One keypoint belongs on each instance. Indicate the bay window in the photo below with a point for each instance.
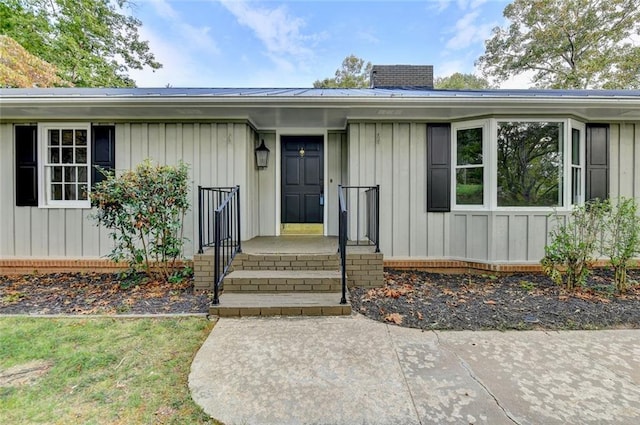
(513, 163)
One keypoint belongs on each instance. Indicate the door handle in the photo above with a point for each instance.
(321, 197)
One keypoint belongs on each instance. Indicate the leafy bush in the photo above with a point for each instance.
(569, 255)
(144, 210)
(622, 240)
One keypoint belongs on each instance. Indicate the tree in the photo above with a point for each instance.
(92, 43)
(461, 81)
(354, 73)
(572, 44)
(19, 68)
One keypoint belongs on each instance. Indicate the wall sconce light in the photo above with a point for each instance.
(262, 156)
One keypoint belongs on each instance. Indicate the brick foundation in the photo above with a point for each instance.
(62, 265)
(460, 266)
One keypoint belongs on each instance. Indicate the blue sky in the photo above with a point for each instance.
(268, 43)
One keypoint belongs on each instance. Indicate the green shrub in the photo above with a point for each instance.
(622, 238)
(144, 210)
(569, 255)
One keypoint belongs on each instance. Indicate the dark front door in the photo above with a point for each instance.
(302, 179)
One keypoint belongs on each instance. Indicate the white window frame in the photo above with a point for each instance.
(44, 177)
(467, 125)
(582, 128)
(490, 162)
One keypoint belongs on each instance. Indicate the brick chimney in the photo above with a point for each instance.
(402, 76)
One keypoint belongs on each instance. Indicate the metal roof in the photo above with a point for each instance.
(314, 93)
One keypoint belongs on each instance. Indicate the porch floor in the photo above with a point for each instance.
(299, 244)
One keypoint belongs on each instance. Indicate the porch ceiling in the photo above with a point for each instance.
(269, 113)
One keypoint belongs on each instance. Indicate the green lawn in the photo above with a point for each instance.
(102, 370)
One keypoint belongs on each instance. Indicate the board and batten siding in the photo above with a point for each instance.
(393, 155)
(218, 154)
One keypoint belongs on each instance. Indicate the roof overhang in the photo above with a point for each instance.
(333, 112)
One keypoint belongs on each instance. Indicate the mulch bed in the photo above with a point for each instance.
(97, 293)
(409, 298)
(518, 301)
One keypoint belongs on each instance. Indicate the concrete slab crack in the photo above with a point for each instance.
(466, 367)
(404, 377)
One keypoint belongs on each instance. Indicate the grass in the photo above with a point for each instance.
(104, 370)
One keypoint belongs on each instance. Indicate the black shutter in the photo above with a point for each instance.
(597, 164)
(103, 151)
(439, 167)
(26, 165)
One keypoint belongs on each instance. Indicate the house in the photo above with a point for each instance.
(465, 177)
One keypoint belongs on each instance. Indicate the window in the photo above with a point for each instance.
(469, 166)
(530, 164)
(513, 163)
(576, 167)
(66, 165)
(54, 162)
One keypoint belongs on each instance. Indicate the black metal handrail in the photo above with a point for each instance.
(342, 242)
(219, 222)
(366, 214)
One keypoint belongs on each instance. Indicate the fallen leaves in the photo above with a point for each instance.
(395, 318)
(95, 293)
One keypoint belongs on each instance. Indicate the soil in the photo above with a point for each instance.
(518, 301)
(97, 293)
(408, 298)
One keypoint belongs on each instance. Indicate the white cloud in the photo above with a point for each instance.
(180, 67)
(520, 81)
(468, 32)
(368, 36)
(279, 31)
(192, 37)
(447, 68)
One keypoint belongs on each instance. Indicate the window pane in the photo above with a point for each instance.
(81, 155)
(82, 174)
(83, 195)
(56, 174)
(576, 185)
(67, 155)
(469, 146)
(54, 155)
(54, 137)
(575, 146)
(469, 186)
(67, 137)
(56, 192)
(69, 174)
(70, 192)
(529, 164)
(81, 137)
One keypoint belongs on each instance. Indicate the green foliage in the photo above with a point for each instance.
(569, 255)
(570, 44)
(92, 43)
(462, 81)
(144, 210)
(529, 163)
(19, 68)
(354, 73)
(622, 241)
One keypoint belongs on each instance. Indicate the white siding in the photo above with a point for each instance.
(334, 146)
(217, 155)
(393, 155)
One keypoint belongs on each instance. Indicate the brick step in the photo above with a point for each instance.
(280, 304)
(283, 281)
(286, 262)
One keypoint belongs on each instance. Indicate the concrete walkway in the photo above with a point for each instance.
(351, 370)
